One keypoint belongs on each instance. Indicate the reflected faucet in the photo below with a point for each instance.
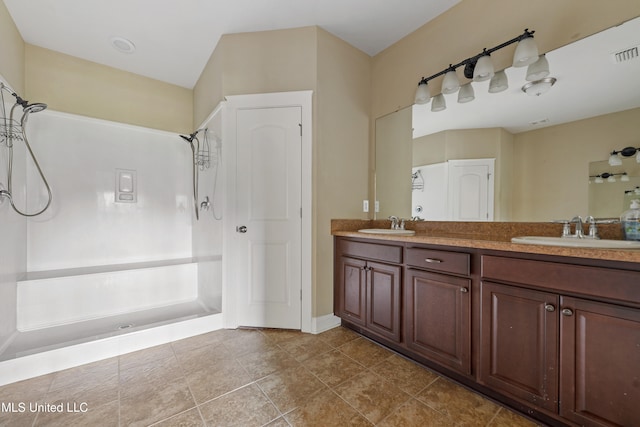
(394, 222)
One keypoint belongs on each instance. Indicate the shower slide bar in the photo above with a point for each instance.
(11, 131)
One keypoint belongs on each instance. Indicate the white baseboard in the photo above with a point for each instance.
(324, 323)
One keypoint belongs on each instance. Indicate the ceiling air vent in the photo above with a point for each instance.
(625, 55)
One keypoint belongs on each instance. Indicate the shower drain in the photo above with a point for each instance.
(125, 326)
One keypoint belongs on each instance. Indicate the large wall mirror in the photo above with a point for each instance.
(544, 148)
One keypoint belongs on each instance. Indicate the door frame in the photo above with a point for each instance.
(234, 103)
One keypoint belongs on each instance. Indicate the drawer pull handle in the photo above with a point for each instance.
(433, 260)
(464, 290)
(550, 308)
(567, 312)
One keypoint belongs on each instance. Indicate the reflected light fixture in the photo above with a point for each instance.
(480, 68)
(466, 94)
(615, 160)
(538, 70)
(439, 103)
(499, 82)
(539, 87)
(610, 177)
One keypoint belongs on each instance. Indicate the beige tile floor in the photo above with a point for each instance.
(252, 377)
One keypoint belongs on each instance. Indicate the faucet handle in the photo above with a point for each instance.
(593, 227)
(566, 227)
(402, 220)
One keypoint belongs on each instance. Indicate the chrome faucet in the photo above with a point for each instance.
(579, 234)
(397, 223)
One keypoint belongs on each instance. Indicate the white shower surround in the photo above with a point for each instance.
(89, 259)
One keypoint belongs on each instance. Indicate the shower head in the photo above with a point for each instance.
(35, 107)
(189, 138)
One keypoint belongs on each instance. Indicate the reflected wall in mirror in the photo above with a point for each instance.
(609, 199)
(542, 146)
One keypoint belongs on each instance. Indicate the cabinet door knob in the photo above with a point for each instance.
(433, 260)
(549, 307)
(464, 290)
(567, 312)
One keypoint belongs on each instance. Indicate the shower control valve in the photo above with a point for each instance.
(241, 229)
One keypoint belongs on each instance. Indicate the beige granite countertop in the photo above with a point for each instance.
(494, 236)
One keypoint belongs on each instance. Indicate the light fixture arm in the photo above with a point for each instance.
(626, 152)
(472, 61)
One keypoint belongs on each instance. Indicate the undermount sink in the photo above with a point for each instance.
(388, 231)
(577, 243)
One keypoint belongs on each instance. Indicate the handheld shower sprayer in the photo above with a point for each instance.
(11, 131)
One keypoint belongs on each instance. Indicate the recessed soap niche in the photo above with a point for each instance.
(126, 186)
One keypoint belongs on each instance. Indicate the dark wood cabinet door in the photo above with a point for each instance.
(383, 299)
(437, 313)
(352, 290)
(519, 343)
(600, 363)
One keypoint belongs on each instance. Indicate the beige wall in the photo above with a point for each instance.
(11, 51)
(553, 164)
(394, 154)
(306, 58)
(73, 85)
(470, 26)
(262, 62)
(340, 150)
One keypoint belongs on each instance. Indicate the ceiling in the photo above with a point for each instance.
(175, 38)
(589, 83)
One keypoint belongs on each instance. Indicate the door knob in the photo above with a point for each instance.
(241, 229)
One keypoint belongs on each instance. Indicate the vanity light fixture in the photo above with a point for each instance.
(610, 177)
(480, 68)
(615, 160)
(423, 95)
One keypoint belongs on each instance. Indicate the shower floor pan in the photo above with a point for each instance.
(52, 338)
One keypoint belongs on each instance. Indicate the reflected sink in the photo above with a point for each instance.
(388, 231)
(577, 243)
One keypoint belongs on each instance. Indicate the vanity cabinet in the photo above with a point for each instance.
(574, 356)
(600, 363)
(519, 343)
(555, 337)
(368, 280)
(437, 307)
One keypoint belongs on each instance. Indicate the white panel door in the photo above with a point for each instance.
(268, 217)
(471, 190)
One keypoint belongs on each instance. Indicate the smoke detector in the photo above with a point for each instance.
(122, 45)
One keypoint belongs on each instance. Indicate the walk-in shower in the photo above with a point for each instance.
(97, 275)
(12, 130)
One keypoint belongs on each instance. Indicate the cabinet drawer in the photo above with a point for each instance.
(608, 283)
(374, 251)
(447, 262)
